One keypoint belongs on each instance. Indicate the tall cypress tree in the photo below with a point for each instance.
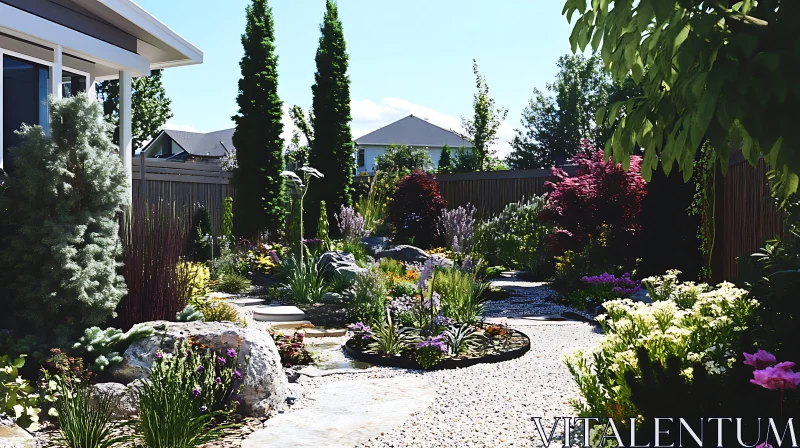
(260, 203)
(332, 151)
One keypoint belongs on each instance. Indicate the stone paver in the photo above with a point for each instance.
(346, 413)
(279, 313)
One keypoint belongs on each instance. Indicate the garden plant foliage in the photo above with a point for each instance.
(60, 264)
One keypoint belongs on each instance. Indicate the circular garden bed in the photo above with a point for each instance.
(511, 347)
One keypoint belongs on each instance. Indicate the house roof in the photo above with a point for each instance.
(204, 145)
(413, 131)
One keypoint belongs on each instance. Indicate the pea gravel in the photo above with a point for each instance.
(490, 405)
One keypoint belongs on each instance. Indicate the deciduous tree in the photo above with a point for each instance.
(723, 70)
(150, 107)
(482, 128)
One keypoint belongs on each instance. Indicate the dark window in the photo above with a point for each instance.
(360, 157)
(72, 84)
(25, 90)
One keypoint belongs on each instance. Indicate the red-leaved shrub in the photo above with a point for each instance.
(415, 210)
(598, 195)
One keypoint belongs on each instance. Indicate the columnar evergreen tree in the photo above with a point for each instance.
(260, 193)
(150, 107)
(226, 227)
(60, 263)
(332, 150)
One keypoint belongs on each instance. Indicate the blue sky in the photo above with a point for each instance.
(410, 56)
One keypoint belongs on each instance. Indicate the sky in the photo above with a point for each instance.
(406, 57)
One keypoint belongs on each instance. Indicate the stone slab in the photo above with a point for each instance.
(294, 325)
(325, 332)
(346, 413)
(15, 437)
(278, 313)
(247, 302)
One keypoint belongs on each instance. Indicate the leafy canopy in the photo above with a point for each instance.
(722, 70)
(555, 122)
(150, 107)
(403, 159)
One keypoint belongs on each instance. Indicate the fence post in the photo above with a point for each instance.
(142, 178)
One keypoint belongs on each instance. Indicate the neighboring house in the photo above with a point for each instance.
(410, 131)
(194, 146)
(61, 47)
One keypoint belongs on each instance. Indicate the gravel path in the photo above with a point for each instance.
(491, 405)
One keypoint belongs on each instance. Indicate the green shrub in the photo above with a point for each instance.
(340, 283)
(85, 417)
(516, 238)
(218, 310)
(391, 266)
(695, 324)
(357, 248)
(460, 339)
(226, 227)
(182, 399)
(389, 339)
(369, 298)
(232, 283)
(60, 264)
(304, 279)
(461, 294)
(198, 244)
(189, 314)
(403, 288)
(18, 399)
(102, 348)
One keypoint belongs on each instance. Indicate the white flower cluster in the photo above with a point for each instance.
(697, 323)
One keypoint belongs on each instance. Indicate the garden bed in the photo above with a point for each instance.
(518, 344)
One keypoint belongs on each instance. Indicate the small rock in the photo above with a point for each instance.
(124, 396)
(332, 297)
(404, 253)
(375, 244)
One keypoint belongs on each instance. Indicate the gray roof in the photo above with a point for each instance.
(206, 145)
(413, 131)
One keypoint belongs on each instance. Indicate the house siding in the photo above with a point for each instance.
(72, 15)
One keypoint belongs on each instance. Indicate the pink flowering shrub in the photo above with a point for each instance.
(598, 193)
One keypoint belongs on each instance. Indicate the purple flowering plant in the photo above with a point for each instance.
(458, 227)
(351, 224)
(431, 351)
(772, 375)
(199, 385)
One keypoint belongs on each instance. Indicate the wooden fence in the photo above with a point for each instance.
(183, 183)
(491, 191)
(746, 216)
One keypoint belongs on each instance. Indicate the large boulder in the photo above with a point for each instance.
(340, 263)
(124, 397)
(265, 384)
(404, 253)
(12, 436)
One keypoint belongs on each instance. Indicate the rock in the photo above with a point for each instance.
(278, 313)
(347, 413)
(126, 402)
(265, 385)
(375, 244)
(340, 263)
(12, 436)
(641, 296)
(350, 272)
(404, 253)
(332, 297)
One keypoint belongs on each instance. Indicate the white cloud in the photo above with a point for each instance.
(171, 125)
(369, 116)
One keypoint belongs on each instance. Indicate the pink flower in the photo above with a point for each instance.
(787, 365)
(759, 359)
(775, 378)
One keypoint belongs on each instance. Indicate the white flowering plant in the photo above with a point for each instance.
(696, 323)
